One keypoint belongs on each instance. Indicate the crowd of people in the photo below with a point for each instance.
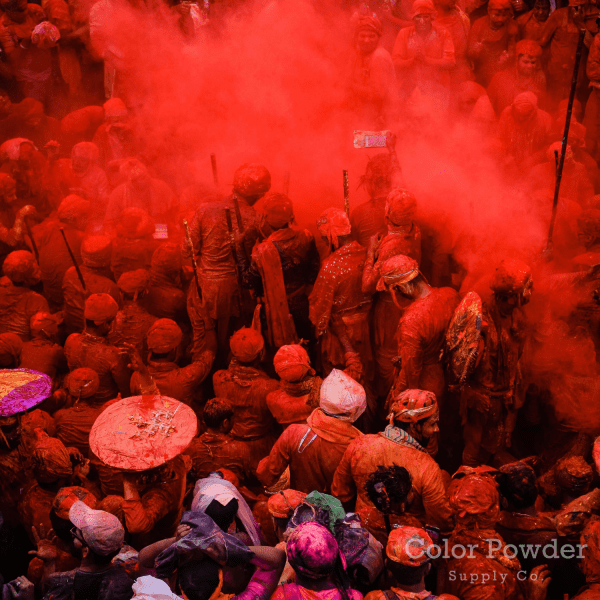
(201, 399)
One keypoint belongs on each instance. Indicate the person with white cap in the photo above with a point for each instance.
(97, 537)
(313, 449)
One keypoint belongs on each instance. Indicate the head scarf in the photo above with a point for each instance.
(397, 270)
(292, 362)
(96, 251)
(73, 207)
(313, 551)
(87, 150)
(246, 344)
(251, 179)
(51, 460)
(475, 501)
(100, 308)
(332, 224)
(10, 349)
(379, 170)
(342, 397)
(278, 209)
(573, 473)
(529, 48)
(422, 7)
(20, 266)
(150, 588)
(163, 336)
(214, 488)
(517, 472)
(400, 207)
(369, 23)
(83, 383)
(470, 91)
(11, 149)
(167, 259)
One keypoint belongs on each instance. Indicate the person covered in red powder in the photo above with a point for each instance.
(492, 41)
(95, 255)
(524, 133)
(282, 270)
(115, 138)
(526, 76)
(140, 190)
(424, 54)
(422, 328)
(221, 296)
(247, 386)
(91, 349)
(73, 216)
(413, 421)
(314, 449)
(215, 449)
(592, 107)
(452, 17)
(476, 505)
(590, 565)
(532, 23)
(19, 303)
(491, 398)
(409, 552)
(403, 237)
(12, 217)
(43, 353)
(339, 309)
(319, 564)
(382, 173)
(372, 93)
(163, 341)
(298, 394)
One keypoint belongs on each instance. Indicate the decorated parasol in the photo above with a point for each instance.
(142, 432)
(22, 389)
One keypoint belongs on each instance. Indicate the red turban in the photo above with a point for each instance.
(43, 322)
(251, 179)
(511, 276)
(246, 344)
(163, 336)
(369, 23)
(133, 282)
(409, 546)
(278, 209)
(45, 32)
(167, 259)
(397, 270)
(412, 406)
(422, 7)
(400, 207)
(83, 383)
(476, 496)
(529, 48)
(72, 207)
(115, 108)
(135, 223)
(67, 496)
(525, 99)
(282, 504)
(500, 5)
(20, 266)
(292, 362)
(51, 460)
(96, 251)
(82, 120)
(334, 223)
(100, 308)
(87, 150)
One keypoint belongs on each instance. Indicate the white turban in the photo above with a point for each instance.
(342, 397)
(150, 588)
